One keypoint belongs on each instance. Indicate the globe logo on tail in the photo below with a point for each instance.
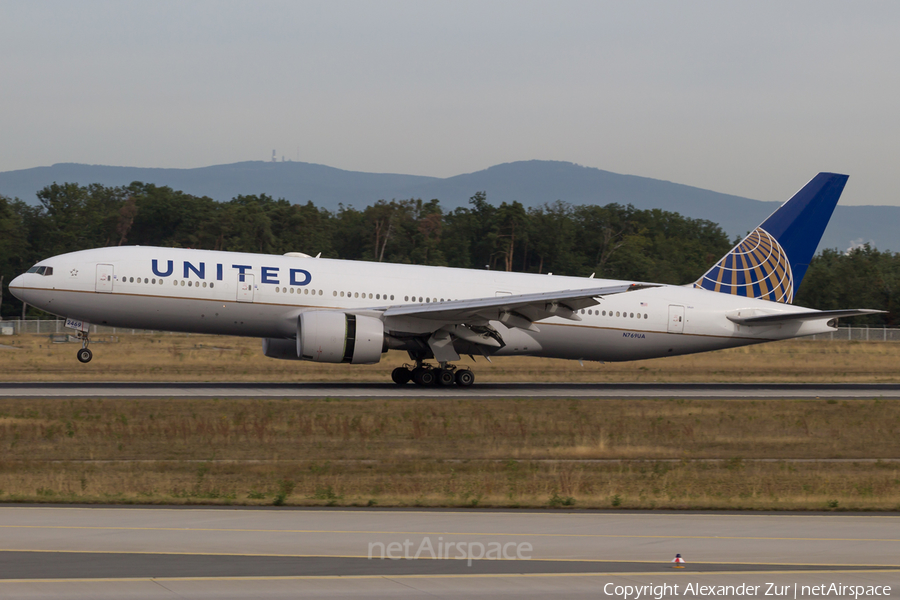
(758, 267)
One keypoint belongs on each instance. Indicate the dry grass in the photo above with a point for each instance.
(583, 453)
(673, 453)
(171, 357)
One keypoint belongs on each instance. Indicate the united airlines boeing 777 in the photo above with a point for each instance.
(334, 311)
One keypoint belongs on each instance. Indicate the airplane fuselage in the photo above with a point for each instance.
(256, 295)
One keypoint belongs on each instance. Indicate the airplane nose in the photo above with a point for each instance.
(17, 286)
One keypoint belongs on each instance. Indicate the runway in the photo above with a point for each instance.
(479, 390)
(61, 552)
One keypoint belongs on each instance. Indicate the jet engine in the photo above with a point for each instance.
(332, 337)
(278, 348)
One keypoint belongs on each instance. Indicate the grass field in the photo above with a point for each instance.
(168, 357)
(582, 453)
(734, 454)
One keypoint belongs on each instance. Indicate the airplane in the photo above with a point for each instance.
(340, 311)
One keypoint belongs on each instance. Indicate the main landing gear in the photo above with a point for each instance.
(424, 374)
(84, 355)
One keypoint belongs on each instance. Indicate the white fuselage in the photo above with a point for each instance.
(201, 291)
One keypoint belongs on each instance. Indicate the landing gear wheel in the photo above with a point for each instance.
(465, 378)
(85, 355)
(422, 376)
(445, 377)
(401, 375)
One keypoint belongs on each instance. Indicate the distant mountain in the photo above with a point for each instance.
(530, 182)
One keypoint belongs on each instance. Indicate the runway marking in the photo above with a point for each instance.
(436, 576)
(466, 533)
(578, 560)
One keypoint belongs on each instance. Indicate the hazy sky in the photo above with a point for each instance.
(748, 98)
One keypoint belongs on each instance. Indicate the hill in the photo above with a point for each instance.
(530, 182)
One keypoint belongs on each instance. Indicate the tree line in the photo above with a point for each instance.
(612, 241)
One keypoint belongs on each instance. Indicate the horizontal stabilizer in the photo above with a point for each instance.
(803, 316)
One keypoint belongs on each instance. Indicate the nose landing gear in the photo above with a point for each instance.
(84, 354)
(425, 374)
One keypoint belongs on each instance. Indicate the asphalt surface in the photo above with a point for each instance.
(479, 390)
(66, 552)
(91, 565)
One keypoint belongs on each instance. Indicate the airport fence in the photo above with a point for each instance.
(57, 326)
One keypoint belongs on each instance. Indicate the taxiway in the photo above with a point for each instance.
(64, 552)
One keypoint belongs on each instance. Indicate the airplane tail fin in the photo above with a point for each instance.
(770, 262)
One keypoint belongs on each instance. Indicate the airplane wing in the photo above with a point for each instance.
(520, 310)
(803, 316)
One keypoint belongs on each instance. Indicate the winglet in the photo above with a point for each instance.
(770, 262)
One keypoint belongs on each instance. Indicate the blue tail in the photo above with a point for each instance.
(770, 262)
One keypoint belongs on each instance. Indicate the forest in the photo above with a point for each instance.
(612, 241)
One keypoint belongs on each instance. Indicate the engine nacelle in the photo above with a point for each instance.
(335, 337)
(278, 348)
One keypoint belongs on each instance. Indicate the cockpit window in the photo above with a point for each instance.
(48, 271)
(33, 269)
(41, 270)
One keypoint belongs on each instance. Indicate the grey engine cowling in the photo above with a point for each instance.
(331, 337)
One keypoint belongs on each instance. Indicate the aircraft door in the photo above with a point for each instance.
(104, 281)
(245, 288)
(676, 319)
